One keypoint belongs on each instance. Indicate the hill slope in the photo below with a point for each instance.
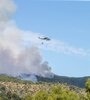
(79, 82)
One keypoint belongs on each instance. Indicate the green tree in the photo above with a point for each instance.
(1, 98)
(28, 97)
(88, 85)
(41, 95)
(88, 88)
(61, 93)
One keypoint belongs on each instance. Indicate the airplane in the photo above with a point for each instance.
(44, 38)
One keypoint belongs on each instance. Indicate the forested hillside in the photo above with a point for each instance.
(79, 82)
(15, 89)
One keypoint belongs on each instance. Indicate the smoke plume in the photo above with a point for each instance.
(15, 56)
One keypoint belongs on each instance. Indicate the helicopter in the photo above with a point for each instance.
(44, 38)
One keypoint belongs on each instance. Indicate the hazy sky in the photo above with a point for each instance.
(66, 22)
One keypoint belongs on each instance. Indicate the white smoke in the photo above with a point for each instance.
(7, 8)
(15, 56)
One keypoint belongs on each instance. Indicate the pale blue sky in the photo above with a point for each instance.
(65, 21)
